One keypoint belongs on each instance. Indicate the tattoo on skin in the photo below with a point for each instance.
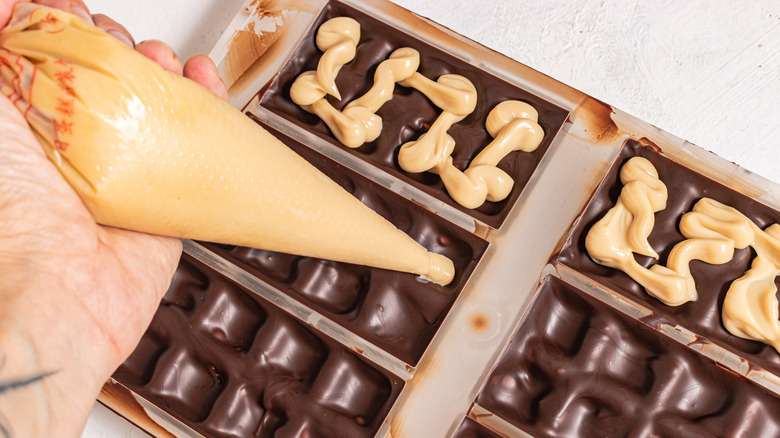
(11, 385)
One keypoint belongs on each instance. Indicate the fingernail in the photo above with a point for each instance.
(81, 12)
(174, 56)
(121, 37)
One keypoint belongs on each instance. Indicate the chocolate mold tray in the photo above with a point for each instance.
(443, 383)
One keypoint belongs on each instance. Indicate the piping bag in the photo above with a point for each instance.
(151, 151)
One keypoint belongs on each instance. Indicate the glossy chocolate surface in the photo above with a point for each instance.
(576, 367)
(395, 311)
(229, 364)
(471, 429)
(685, 188)
(409, 114)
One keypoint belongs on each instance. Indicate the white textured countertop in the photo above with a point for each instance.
(707, 71)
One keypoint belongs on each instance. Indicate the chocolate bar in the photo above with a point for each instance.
(225, 362)
(576, 367)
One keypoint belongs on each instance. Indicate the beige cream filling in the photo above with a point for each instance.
(712, 231)
(513, 124)
(151, 151)
(750, 309)
(358, 123)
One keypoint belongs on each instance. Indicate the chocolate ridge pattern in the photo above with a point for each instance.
(227, 363)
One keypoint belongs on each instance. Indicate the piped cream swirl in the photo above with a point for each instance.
(512, 124)
(750, 308)
(338, 39)
(358, 123)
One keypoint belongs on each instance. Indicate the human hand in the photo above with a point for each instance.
(75, 297)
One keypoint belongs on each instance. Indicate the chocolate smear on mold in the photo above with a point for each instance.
(596, 116)
(248, 45)
(119, 399)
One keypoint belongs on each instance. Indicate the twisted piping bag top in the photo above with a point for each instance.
(151, 151)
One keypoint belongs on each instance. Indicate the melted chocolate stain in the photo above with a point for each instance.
(410, 114)
(578, 368)
(685, 188)
(395, 311)
(227, 363)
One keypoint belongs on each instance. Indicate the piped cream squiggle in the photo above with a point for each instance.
(338, 39)
(624, 230)
(399, 66)
(513, 124)
(358, 123)
(457, 98)
(712, 231)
